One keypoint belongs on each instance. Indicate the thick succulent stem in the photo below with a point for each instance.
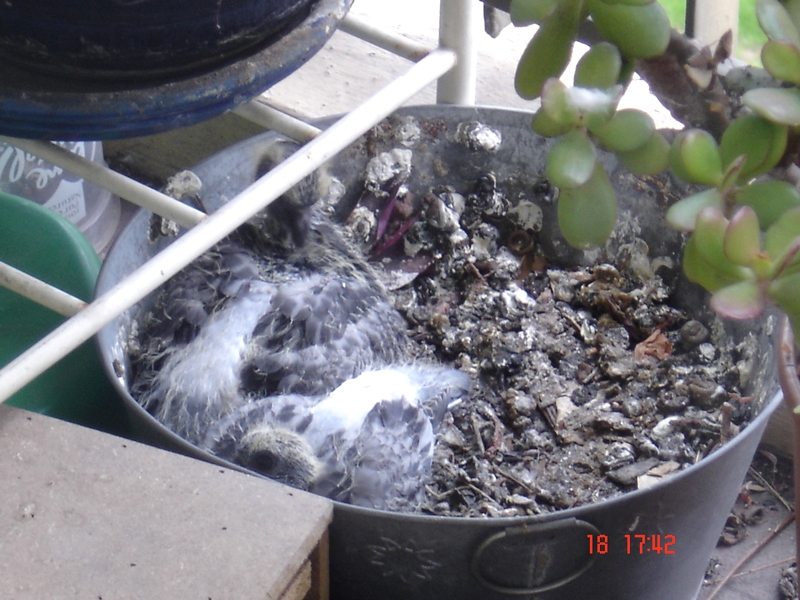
(787, 372)
(706, 108)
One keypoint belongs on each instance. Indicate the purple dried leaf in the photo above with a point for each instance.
(386, 212)
(393, 238)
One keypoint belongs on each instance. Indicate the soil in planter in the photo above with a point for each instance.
(587, 383)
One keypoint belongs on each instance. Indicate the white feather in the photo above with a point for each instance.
(348, 405)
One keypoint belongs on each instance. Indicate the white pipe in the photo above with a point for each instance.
(459, 25)
(382, 38)
(122, 186)
(276, 120)
(40, 292)
(194, 242)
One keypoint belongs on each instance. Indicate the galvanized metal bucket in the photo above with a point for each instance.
(392, 556)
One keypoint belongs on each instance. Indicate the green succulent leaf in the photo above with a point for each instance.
(770, 199)
(702, 272)
(781, 236)
(626, 130)
(545, 125)
(709, 232)
(526, 12)
(695, 157)
(595, 106)
(782, 60)
(650, 159)
(788, 264)
(776, 22)
(779, 105)
(760, 140)
(599, 67)
(557, 105)
(549, 51)
(638, 31)
(586, 215)
(742, 242)
(577, 106)
(793, 8)
(732, 174)
(785, 292)
(709, 236)
(629, 2)
(683, 214)
(740, 301)
(571, 160)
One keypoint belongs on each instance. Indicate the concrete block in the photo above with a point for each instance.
(89, 515)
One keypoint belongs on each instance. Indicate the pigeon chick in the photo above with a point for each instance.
(368, 443)
(279, 350)
(282, 306)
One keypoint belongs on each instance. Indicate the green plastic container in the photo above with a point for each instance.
(47, 246)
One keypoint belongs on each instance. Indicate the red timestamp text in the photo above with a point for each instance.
(636, 543)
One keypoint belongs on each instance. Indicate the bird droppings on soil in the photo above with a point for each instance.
(586, 382)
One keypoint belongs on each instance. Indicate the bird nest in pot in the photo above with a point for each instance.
(329, 340)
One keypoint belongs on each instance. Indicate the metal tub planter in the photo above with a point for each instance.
(650, 543)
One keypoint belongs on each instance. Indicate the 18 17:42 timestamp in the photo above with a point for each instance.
(637, 543)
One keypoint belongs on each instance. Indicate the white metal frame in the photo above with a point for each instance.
(454, 59)
(708, 20)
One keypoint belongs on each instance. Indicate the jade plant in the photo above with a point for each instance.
(741, 140)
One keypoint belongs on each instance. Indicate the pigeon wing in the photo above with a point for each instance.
(438, 388)
(290, 411)
(388, 462)
(182, 307)
(322, 330)
(198, 383)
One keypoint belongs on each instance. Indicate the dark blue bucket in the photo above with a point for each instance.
(139, 38)
(182, 75)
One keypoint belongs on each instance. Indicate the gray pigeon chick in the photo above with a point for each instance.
(261, 351)
(369, 442)
(283, 306)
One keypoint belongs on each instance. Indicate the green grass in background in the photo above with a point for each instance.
(751, 38)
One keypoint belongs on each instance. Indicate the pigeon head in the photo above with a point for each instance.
(279, 454)
(289, 218)
(298, 229)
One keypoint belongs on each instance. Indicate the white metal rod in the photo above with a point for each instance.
(40, 292)
(193, 243)
(271, 118)
(712, 18)
(122, 186)
(388, 40)
(459, 24)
